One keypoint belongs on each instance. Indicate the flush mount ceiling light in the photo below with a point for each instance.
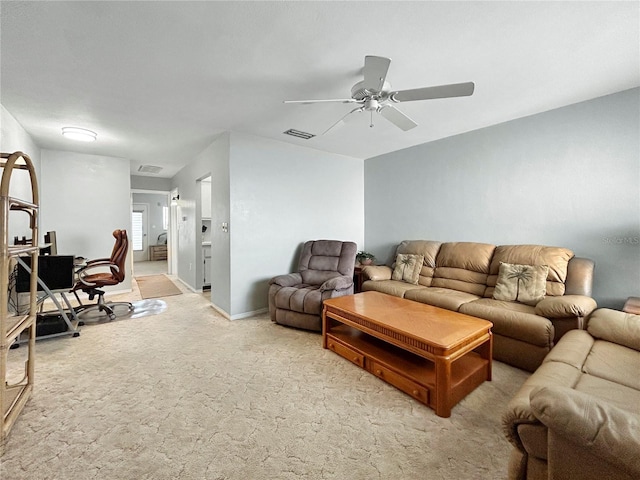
(79, 134)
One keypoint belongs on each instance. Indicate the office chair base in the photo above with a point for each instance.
(107, 308)
(101, 305)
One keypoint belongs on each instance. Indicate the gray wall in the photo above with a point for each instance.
(281, 196)
(568, 177)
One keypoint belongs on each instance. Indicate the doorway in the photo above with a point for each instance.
(150, 228)
(139, 229)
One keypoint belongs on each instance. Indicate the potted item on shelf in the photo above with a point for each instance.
(365, 258)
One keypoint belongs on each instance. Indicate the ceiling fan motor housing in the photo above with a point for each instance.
(359, 92)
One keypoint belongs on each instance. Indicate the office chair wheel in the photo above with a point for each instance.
(112, 316)
(76, 334)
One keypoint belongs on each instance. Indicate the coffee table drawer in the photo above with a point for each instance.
(344, 351)
(401, 382)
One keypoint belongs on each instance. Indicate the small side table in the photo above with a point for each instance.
(632, 305)
(358, 277)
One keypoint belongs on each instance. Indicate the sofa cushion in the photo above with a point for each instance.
(429, 250)
(556, 258)
(390, 287)
(521, 283)
(441, 297)
(408, 267)
(615, 363)
(512, 319)
(615, 326)
(617, 394)
(463, 266)
(572, 350)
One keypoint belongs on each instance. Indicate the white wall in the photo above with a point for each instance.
(84, 199)
(281, 196)
(214, 161)
(14, 138)
(568, 177)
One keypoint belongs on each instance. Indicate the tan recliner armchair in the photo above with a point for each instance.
(325, 270)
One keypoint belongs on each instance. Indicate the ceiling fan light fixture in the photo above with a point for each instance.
(79, 134)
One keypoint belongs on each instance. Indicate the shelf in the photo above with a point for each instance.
(14, 326)
(14, 397)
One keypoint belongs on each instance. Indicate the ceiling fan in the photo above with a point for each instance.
(374, 94)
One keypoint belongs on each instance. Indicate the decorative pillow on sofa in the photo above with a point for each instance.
(521, 283)
(408, 267)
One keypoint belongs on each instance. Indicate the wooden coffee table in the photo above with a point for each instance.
(435, 355)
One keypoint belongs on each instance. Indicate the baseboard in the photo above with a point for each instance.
(220, 311)
(239, 316)
(186, 285)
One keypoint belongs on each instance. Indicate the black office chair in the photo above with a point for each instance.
(90, 283)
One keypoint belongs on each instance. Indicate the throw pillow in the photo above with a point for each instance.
(408, 267)
(521, 283)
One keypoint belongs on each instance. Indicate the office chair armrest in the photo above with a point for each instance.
(98, 263)
(96, 260)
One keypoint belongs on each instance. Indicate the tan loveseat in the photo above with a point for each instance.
(578, 415)
(461, 276)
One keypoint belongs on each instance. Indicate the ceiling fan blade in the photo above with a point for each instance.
(375, 72)
(398, 118)
(332, 100)
(440, 91)
(341, 121)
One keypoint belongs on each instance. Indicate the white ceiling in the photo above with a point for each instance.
(158, 80)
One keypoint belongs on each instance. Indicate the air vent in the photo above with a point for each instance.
(299, 134)
(149, 169)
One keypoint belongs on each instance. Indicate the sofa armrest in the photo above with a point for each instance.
(288, 280)
(337, 283)
(377, 272)
(616, 327)
(566, 306)
(594, 426)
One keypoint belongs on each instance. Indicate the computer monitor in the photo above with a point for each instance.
(56, 271)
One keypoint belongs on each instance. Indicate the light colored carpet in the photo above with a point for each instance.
(156, 286)
(187, 394)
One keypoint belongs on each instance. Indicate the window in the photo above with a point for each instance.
(136, 228)
(165, 218)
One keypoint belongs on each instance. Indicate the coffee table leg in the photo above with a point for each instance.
(443, 387)
(486, 351)
(324, 327)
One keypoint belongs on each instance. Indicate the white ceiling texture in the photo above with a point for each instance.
(158, 80)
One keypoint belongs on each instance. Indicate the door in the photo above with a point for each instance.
(139, 229)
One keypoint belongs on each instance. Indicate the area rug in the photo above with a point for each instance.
(155, 286)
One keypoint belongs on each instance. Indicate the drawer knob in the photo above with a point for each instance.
(356, 359)
(332, 346)
(379, 372)
(416, 393)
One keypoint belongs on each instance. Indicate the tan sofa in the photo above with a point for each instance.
(578, 415)
(461, 276)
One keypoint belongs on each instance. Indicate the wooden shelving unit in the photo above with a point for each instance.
(14, 396)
